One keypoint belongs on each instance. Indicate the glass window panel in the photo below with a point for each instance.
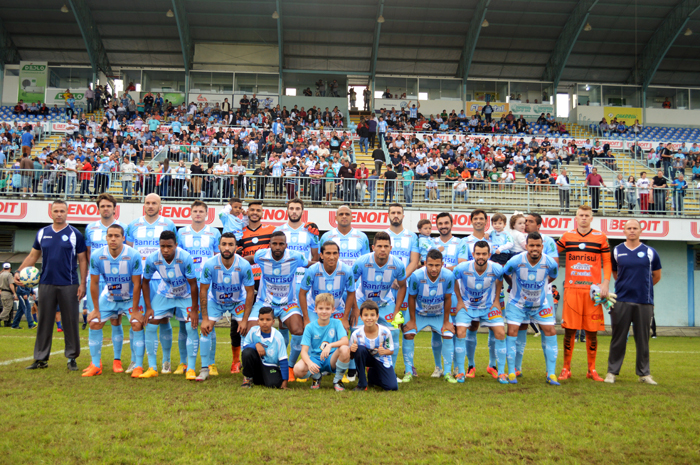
(589, 94)
(268, 83)
(131, 76)
(200, 82)
(682, 102)
(450, 88)
(70, 77)
(431, 87)
(163, 81)
(695, 99)
(397, 86)
(656, 96)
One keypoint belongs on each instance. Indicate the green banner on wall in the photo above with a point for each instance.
(32, 81)
(176, 98)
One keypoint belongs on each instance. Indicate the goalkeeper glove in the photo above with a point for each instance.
(312, 228)
(398, 320)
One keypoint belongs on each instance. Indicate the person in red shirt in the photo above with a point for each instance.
(361, 174)
(594, 181)
(85, 171)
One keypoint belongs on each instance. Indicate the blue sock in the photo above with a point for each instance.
(396, 337)
(117, 341)
(314, 376)
(520, 348)
(460, 353)
(182, 342)
(84, 318)
(500, 345)
(294, 350)
(510, 353)
(58, 324)
(436, 342)
(340, 369)
(550, 353)
(152, 345)
(408, 346)
(138, 346)
(95, 342)
(166, 340)
(192, 343)
(285, 335)
(492, 350)
(471, 346)
(448, 352)
(205, 343)
(212, 353)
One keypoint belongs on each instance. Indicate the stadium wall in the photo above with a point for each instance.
(654, 116)
(320, 102)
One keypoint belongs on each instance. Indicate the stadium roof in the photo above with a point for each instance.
(633, 42)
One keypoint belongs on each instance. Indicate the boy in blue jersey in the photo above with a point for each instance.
(480, 283)
(430, 293)
(529, 274)
(226, 285)
(324, 346)
(425, 242)
(233, 217)
(264, 354)
(372, 347)
(201, 242)
(115, 272)
(176, 294)
(500, 240)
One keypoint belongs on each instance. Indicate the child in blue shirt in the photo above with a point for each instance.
(264, 354)
(425, 242)
(501, 241)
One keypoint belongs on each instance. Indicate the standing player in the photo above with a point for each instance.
(115, 272)
(256, 236)
(95, 238)
(480, 283)
(176, 294)
(453, 248)
(430, 293)
(142, 234)
(201, 242)
(226, 285)
(233, 217)
(478, 219)
(375, 273)
(587, 263)
(528, 274)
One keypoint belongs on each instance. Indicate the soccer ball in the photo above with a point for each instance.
(29, 276)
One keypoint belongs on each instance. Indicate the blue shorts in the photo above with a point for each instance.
(539, 315)
(435, 323)
(215, 311)
(167, 308)
(490, 317)
(282, 312)
(113, 313)
(324, 366)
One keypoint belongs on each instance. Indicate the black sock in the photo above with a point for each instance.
(84, 318)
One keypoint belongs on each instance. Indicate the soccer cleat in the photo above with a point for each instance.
(407, 377)
(316, 383)
(92, 371)
(203, 374)
(518, 373)
(594, 376)
(150, 373)
(565, 374)
(492, 371)
(358, 388)
(167, 368)
(512, 378)
(460, 377)
(449, 378)
(552, 380)
(131, 367)
(247, 383)
(345, 378)
(59, 330)
(190, 375)
(503, 379)
(181, 369)
(537, 335)
(398, 380)
(236, 367)
(38, 364)
(610, 378)
(437, 372)
(90, 366)
(73, 366)
(471, 372)
(291, 376)
(84, 326)
(136, 372)
(117, 366)
(213, 371)
(339, 386)
(647, 380)
(352, 375)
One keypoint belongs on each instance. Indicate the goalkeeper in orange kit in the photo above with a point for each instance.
(587, 263)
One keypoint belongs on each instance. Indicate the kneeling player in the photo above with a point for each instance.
(430, 293)
(226, 285)
(528, 274)
(480, 283)
(264, 354)
(118, 267)
(324, 346)
(177, 295)
(371, 347)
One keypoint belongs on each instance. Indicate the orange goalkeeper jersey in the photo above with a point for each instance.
(587, 258)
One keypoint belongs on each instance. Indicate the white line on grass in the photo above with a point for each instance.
(26, 359)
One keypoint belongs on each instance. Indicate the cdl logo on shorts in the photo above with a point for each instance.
(181, 215)
(278, 216)
(13, 210)
(84, 212)
(367, 220)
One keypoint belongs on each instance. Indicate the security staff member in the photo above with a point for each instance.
(7, 294)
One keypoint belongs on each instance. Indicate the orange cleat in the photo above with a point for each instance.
(565, 374)
(291, 375)
(150, 373)
(236, 367)
(592, 375)
(117, 366)
(138, 371)
(90, 366)
(471, 373)
(493, 372)
(92, 371)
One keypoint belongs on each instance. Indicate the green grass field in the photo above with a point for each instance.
(53, 416)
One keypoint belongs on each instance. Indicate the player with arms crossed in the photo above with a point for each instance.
(175, 295)
(226, 284)
(528, 274)
(115, 279)
(480, 283)
(201, 242)
(587, 263)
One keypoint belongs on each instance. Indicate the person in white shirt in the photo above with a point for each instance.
(564, 191)
(431, 189)
(127, 170)
(71, 166)
(459, 189)
(643, 184)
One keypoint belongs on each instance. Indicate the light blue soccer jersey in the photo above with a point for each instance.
(430, 296)
(96, 234)
(425, 243)
(383, 339)
(337, 284)
(501, 239)
(227, 285)
(200, 245)
(299, 240)
(374, 282)
(278, 278)
(231, 223)
(403, 244)
(352, 246)
(478, 290)
(316, 336)
(529, 289)
(115, 273)
(173, 276)
(453, 250)
(275, 348)
(145, 237)
(549, 247)
(468, 247)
